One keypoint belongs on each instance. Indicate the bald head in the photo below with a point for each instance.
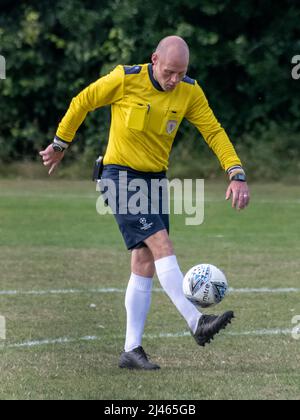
(173, 45)
(170, 62)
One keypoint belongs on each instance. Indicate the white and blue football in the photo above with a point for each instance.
(205, 285)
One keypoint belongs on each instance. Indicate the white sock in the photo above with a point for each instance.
(171, 279)
(137, 304)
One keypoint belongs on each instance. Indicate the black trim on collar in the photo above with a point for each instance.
(154, 82)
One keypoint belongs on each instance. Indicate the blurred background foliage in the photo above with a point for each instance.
(241, 52)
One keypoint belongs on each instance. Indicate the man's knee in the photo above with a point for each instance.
(160, 244)
(142, 262)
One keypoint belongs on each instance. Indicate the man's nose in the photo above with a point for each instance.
(175, 78)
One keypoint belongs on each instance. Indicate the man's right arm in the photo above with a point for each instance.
(104, 91)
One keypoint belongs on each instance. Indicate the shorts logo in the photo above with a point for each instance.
(145, 225)
(171, 125)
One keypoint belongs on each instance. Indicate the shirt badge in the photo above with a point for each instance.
(171, 125)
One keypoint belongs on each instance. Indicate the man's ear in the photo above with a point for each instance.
(154, 58)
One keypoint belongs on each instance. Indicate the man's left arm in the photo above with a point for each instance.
(201, 116)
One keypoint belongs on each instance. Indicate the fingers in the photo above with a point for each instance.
(235, 196)
(228, 193)
(45, 155)
(243, 201)
(53, 164)
(235, 199)
(50, 158)
(240, 194)
(47, 160)
(47, 152)
(53, 168)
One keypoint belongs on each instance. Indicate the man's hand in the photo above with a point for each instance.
(51, 158)
(240, 194)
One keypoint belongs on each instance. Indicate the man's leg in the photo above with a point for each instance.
(138, 296)
(137, 303)
(203, 327)
(171, 277)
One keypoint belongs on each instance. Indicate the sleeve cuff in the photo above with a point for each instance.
(64, 144)
(235, 170)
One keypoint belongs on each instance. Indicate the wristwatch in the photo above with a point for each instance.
(238, 177)
(57, 147)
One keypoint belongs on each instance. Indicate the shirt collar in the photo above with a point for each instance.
(154, 82)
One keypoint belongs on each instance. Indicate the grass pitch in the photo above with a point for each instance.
(65, 329)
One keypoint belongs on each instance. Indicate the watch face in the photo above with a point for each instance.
(57, 148)
(239, 177)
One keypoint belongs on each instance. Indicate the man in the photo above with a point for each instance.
(148, 104)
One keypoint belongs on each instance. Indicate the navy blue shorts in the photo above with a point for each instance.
(139, 201)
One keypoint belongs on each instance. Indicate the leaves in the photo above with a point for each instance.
(240, 53)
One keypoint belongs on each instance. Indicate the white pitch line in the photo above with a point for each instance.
(91, 338)
(265, 290)
(58, 291)
(116, 290)
(95, 196)
(48, 341)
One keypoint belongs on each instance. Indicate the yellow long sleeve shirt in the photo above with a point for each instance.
(145, 119)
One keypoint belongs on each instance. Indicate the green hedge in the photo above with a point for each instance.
(241, 54)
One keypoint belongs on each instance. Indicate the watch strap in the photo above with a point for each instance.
(60, 142)
(238, 177)
(236, 173)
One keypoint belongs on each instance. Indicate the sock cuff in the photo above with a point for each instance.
(166, 264)
(144, 284)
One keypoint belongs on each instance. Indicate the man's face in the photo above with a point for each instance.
(169, 70)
